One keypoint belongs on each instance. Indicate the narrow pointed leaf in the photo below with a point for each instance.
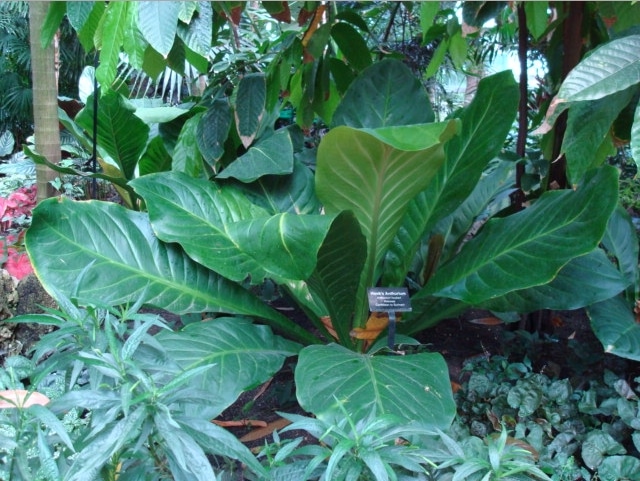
(219, 228)
(410, 387)
(241, 355)
(127, 262)
(385, 94)
(271, 156)
(583, 281)
(336, 277)
(485, 124)
(529, 248)
(250, 107)
(158, 22)
(213, 130)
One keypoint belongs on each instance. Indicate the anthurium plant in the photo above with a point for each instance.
(392, 190)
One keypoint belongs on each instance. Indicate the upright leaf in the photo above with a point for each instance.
(352, 45)
(122, 136)
(158, 22)
(375, 174)
(485, 124)
(385, 94)
(213, 130)
(110, 39)
(250, 106)
(529, 248)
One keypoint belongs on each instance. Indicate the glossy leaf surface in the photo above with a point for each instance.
(219, 228)
(101, 251)
(250, 106)
(507, 253)
(399, 385)
(614, 324)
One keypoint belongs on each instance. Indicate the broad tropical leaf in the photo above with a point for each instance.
(529, 248)
(270, 156)
(109, 37)
(158, 22)
(213, 130)
(410, 387)
(352, 45)
(219, 228)
(583, 281)
(98, 251)
(385, 94)
(375, 174)
(485, 124)
(614, 324)
(241, 354)
(613, 67)
(122, 136)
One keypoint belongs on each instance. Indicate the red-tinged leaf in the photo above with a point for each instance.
(278, 10)
(18, 264)
(306, 12)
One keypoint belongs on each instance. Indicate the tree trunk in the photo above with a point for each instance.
(45, 100)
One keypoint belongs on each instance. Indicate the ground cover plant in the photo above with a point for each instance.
(221, 203)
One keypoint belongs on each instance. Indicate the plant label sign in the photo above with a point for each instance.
(389, 299)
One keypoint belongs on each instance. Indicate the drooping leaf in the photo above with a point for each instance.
(87, 25)
(375, 174)
(242, 355)
(352, 45)
(583, 281)
(428, 11)
(478, 13)
(385, 94)
(278, 10)
(271, 156)
(122, 136)
(410, 387)
(101, 251)
(621, 241)
(186, 155)
(635, 137)
(250, 107)
(614, 324)
(219, 228)
(485, 124)
(155, 158)
(213, 130)
(582, 139)
(55, 14)
(158, 22)
(506, 254)
(110, 38)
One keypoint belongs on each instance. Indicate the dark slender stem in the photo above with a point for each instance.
(521, 143)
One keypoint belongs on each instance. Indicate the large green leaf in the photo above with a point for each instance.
(186, 155)
(122, 136)
(414, 387)
(385, 94)
(219, 228)
(109, 37)
(352, 45)
(582, 281)
(621, 241)
(250, 106)
(375, 174)
(529, 248)
(583, 139)
(615, 325)
(635, 136)
(613, 67)
(485, 124)
(158, 22)
(241, 354)
(270, 156)
(98, 251)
